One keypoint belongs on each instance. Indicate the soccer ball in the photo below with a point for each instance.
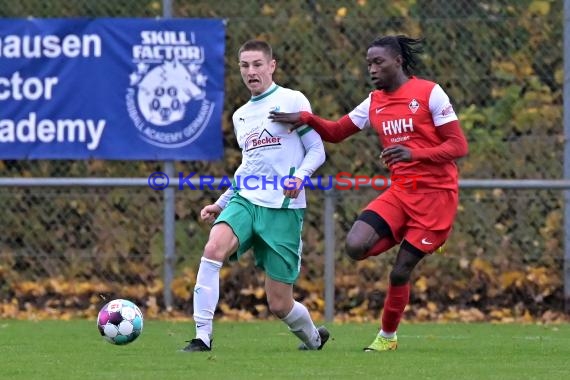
(120, 322)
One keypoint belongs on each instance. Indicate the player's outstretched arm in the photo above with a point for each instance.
(330, 131)
(293, 118)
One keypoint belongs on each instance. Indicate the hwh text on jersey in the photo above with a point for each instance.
(392, 127)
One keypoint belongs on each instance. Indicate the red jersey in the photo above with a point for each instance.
(409, 116)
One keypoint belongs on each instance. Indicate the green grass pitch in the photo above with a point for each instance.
(266, 350)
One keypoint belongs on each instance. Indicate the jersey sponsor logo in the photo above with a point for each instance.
(166, 98)
(400, 139)
(398, 126)
(414, 105)
(261, 140)
(447, 110)
(380, 109)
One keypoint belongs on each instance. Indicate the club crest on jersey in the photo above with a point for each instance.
(166, 99)
(414, 105)
(261, 140)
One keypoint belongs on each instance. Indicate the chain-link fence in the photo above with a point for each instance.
(499, 60)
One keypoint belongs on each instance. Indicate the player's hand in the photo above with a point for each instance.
(209, 213)
(395, 154)
(293, 118)
(292, 187)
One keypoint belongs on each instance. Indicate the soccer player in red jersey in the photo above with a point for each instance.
(422, 137)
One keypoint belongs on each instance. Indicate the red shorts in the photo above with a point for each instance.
(424, 220)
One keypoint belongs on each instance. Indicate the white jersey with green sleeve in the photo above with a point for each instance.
(270, 152)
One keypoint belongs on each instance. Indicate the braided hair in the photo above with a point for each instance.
(401, 45)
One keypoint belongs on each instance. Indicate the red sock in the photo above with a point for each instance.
(394, 305)
(381, 246)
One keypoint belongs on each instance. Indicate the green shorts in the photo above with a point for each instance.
(273, 233)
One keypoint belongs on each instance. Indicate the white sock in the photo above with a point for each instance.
(206, 296)
(300, 323)
(386, 335)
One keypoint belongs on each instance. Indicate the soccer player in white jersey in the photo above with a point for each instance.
(264, 209)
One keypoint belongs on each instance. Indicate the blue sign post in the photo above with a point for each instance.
(117, 89)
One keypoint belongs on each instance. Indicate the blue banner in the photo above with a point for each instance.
(109, 88)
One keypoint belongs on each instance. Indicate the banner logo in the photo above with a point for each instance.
(111, 88)
(166, 99)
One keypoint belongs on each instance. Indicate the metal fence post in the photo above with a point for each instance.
(329, 232)
(167, 8)
(169, 211)
(169, 235)
(566, 121)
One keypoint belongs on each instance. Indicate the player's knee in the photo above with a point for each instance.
(399, 276)
(278, 307)
(354, 247)
(214, 251)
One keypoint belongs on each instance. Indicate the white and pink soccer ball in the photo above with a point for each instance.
(120, 322)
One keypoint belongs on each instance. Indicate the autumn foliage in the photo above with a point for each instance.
(65, 251)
